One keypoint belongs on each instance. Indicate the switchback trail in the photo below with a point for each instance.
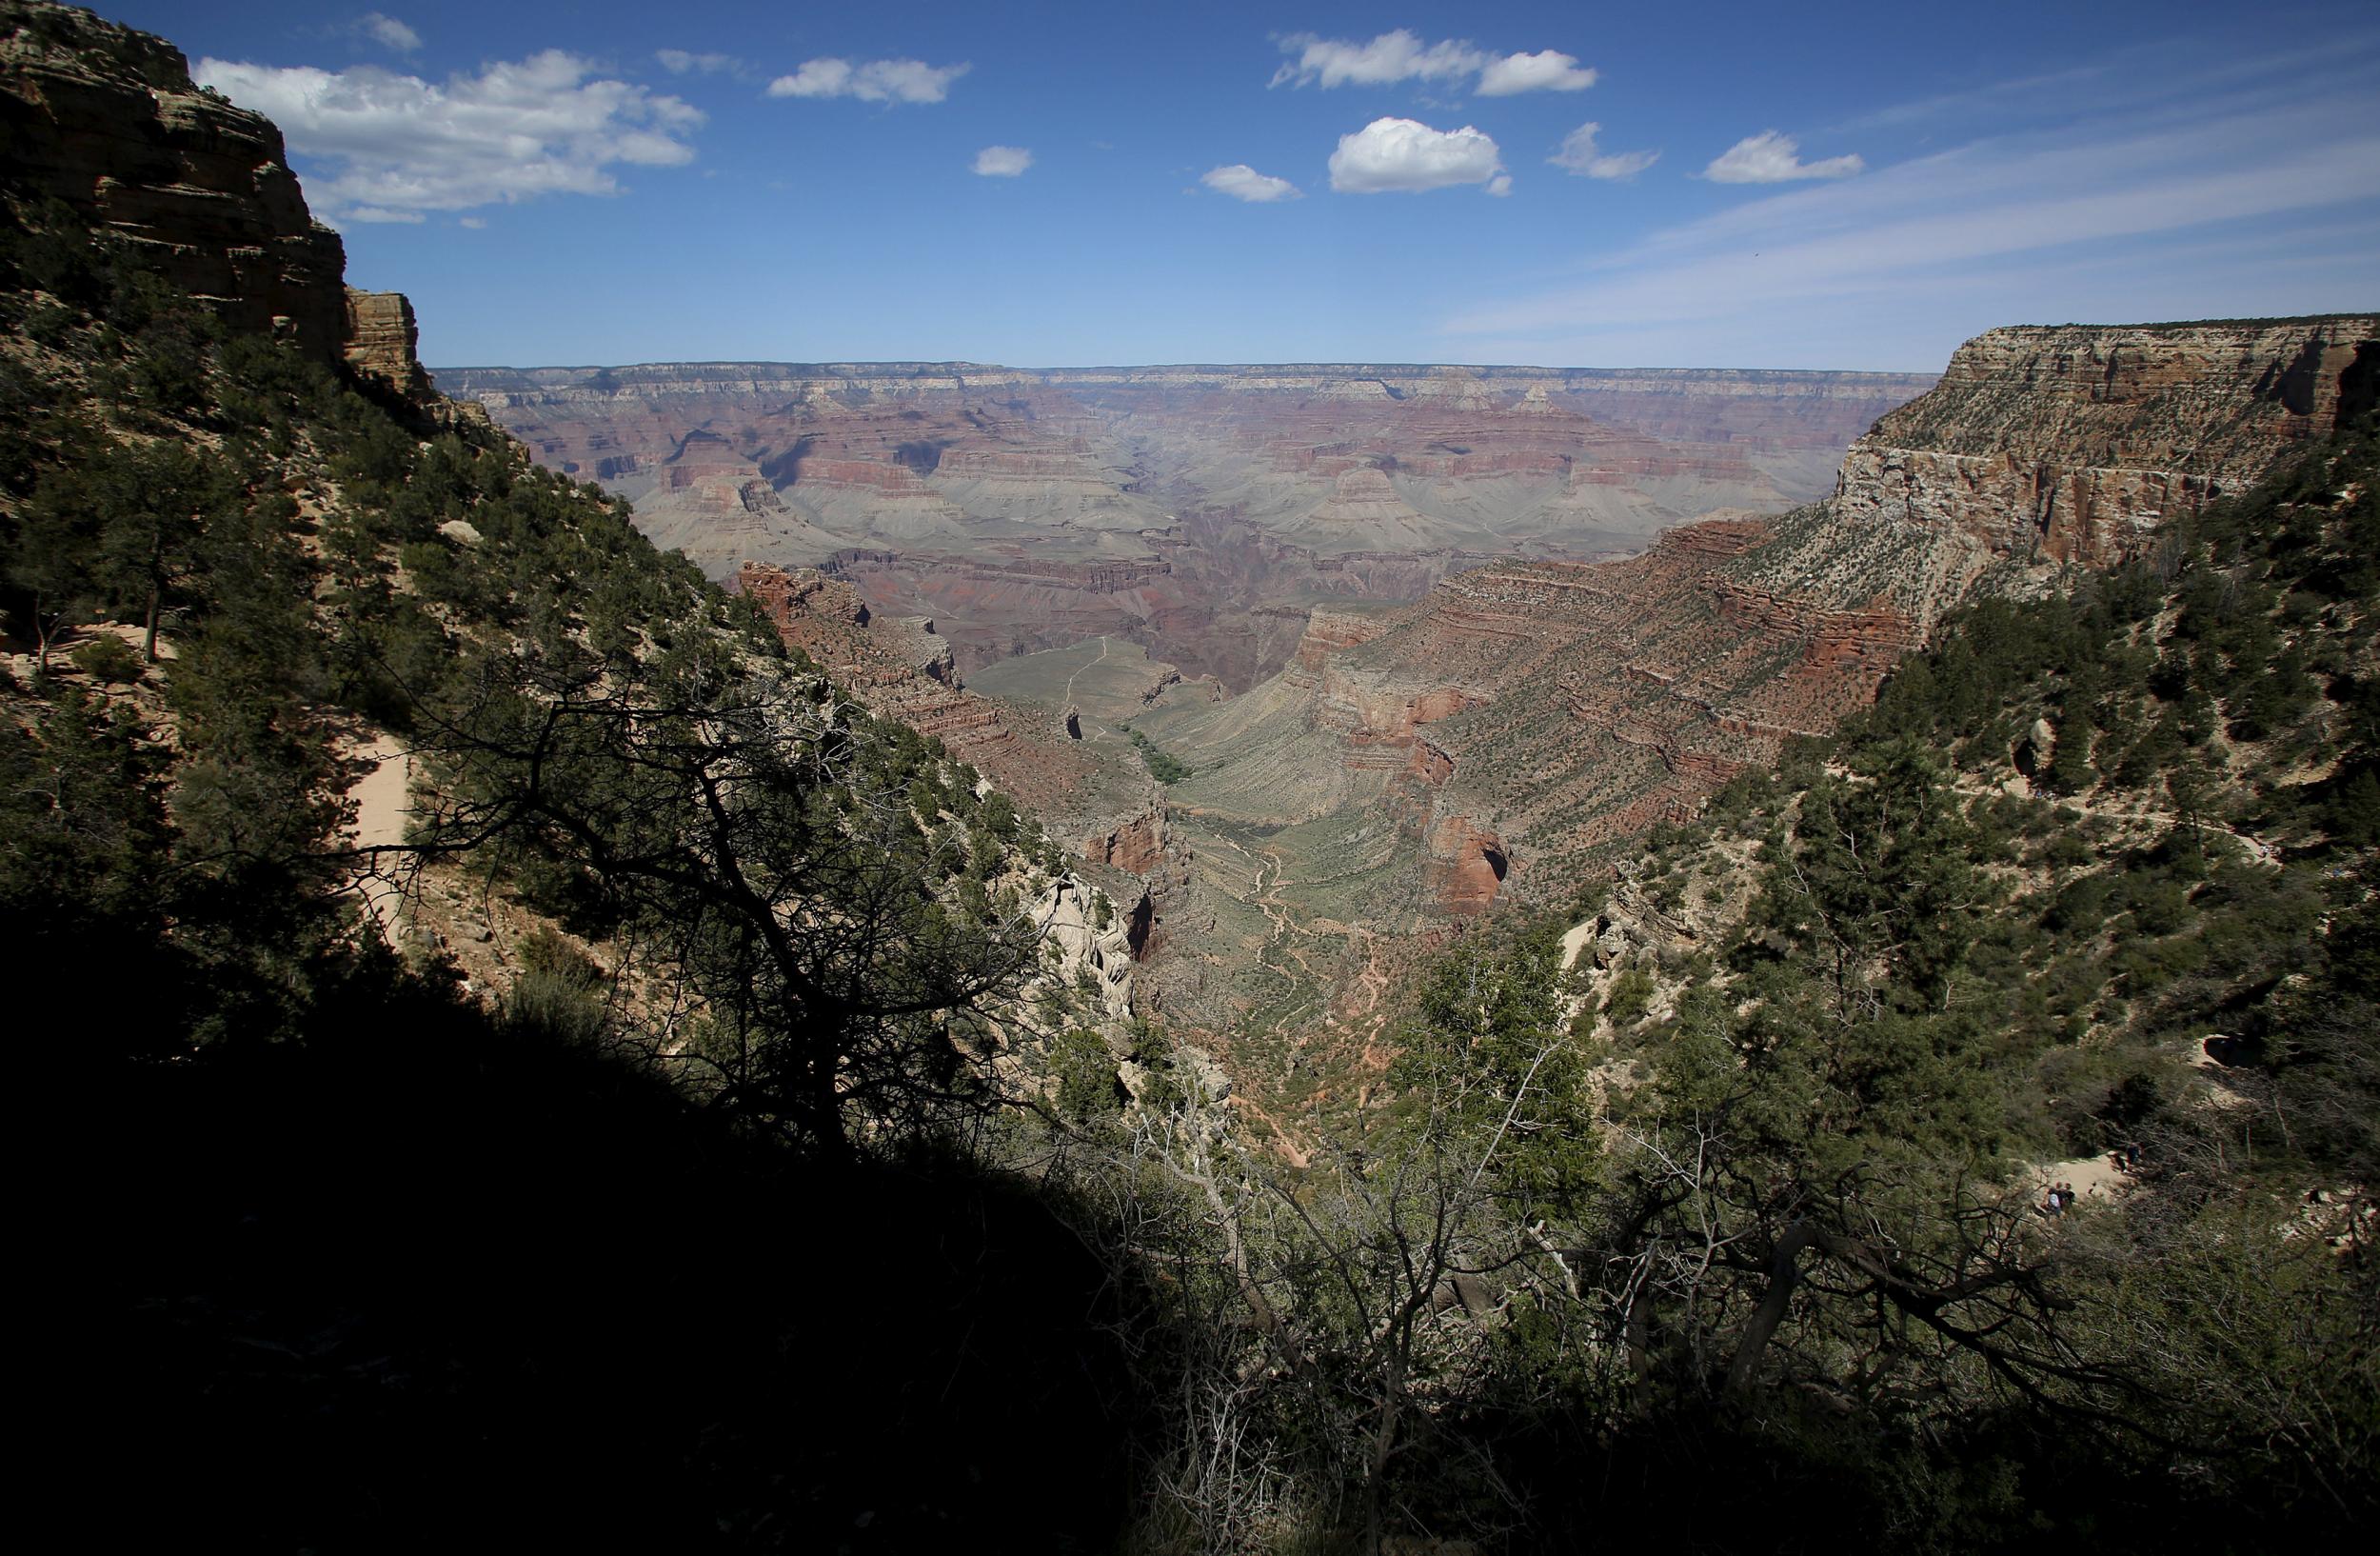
(1065, 699)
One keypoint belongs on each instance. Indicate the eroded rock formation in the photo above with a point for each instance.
(381, 340)
(108, 121)
(2068, 444)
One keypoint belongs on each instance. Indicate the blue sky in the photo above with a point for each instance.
(1843, 185)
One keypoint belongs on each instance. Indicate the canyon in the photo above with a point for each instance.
(1417, 762)
(502, 936)
(1200, 511)
(1406, 643)
(1412, 765)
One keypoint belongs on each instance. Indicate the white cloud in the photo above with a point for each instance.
(389, 32)
(1580, 157)
(1003, 161)
(475, 223)
(381, 214)
(1545, 71)
(681, 62)
(1242, 182)
(871, 81)
(1403, 154)
(511, 132)
(1771, 158)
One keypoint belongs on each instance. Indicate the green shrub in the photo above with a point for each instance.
(1088, 1087)
(560, 991)
(1630, 997)
(1163, 766)
(109, 659)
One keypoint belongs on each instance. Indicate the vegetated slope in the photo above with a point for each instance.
(1195, 510)
(1900, 957)
(1747, 1211)
(2123, 837)
(515, 1225)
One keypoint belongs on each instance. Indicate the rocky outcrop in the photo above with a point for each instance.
(381, 342)
(1330, 629)
(792, 596)
(1138, 846)
(2068, 444)
(1467, 867)
(1088, 950)
(108, 121)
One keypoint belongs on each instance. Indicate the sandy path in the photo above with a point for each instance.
(2093, 1177)
(383, 803)
(1264, 897)
(2263, 853)
(1574, 941)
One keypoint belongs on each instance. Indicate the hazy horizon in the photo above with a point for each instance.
(1200, 367)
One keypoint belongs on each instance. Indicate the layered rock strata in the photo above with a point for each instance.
(900, 668)
(108, 121)
(2068, 444)
(381, 340)
(1196, 511)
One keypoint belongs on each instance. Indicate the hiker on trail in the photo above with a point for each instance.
(2052, 1207)
(2132, 1156)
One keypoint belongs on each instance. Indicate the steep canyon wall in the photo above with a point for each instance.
(107, 122)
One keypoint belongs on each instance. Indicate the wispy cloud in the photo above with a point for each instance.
(1771, 158)
(685, 61)
(870, 80)
(1401, 56)
(2070, 220)
(1406, 156)
(1002, 161)
(1580, 157)
(398, 145)
(389, 32)
(1242, 182)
